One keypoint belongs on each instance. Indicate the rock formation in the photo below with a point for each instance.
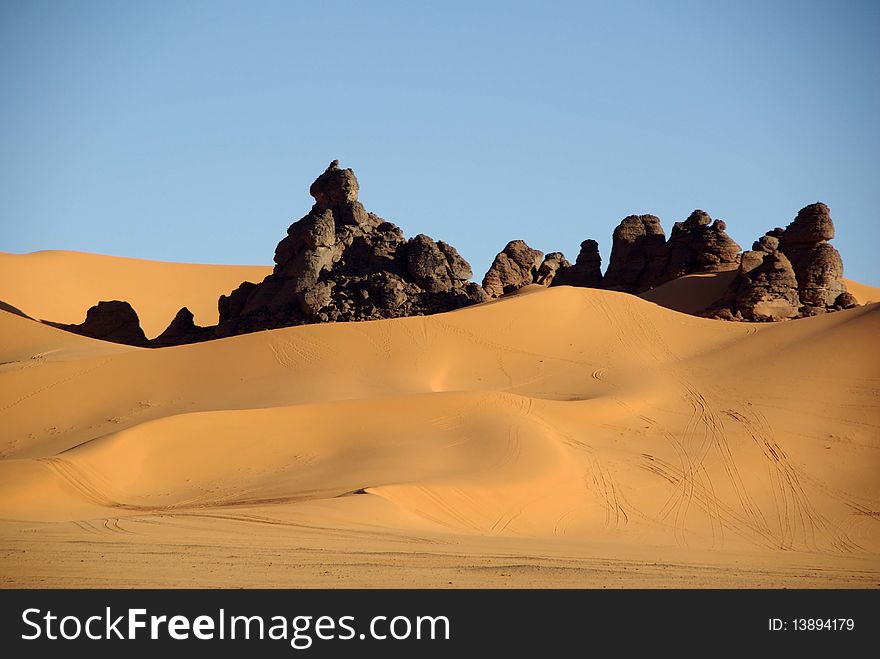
(638, 254)
(587, 270)
(699, 245)
(518, 265)
(550, 267)
(8, 308)
(343, 263)
(766, 286)
(642, 258)
(337, 263)
(789, 273)
(112, 320)
(817, 265)
(845, 300)
(181, 330)
(515, 266)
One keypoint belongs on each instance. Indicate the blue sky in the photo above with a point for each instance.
(190, 131)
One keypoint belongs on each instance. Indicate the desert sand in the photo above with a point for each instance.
(60, 286)
(562, 437)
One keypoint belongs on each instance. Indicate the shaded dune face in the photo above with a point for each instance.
(564, 418)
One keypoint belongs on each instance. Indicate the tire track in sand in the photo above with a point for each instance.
(799, 519)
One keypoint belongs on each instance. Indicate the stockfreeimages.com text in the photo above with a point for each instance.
(300, 631)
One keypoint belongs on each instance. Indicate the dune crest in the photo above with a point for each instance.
(61, 285)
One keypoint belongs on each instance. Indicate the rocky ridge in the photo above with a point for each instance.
(341, 263)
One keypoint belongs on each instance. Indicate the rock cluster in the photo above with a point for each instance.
(337, 263)
(642, 258)
(699, 245)
(788, 273)
(519, 265)
(342, 263)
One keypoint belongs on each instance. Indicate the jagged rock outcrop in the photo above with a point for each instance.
(550, 267)
(817, 264)
(515, 266)
(587, 270)
(110, 320)
(699, 245)
(638, 254)
(181, 330)
(342, 263)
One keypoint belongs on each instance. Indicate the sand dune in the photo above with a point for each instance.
(694, 293)
(864, 294)
(691, 293)
(558, 437)
(60, 286)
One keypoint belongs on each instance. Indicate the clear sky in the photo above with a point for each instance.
(191, 130)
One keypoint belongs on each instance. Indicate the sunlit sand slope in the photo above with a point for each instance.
(561, 437)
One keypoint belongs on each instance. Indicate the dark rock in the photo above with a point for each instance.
(514, 267)
(342, 263)
(436, 267)
(699, 245)
(791, 272)
(846, 300)
(817, 264)
(767, 288)
(638, 254)
(335, 187)
(389, 291)
(587, 270)
(819, 271)
(766, 243)
(550, 267)
(314, 299)
(230, 306)
(4, 306)
(113, 320)
(181, 330)
(811, 225)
